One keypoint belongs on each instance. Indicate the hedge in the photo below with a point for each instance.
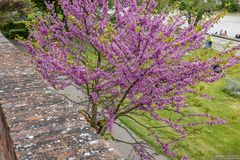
(13, 29)
(22, 32)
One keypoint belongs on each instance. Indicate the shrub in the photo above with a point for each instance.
(230, 5)
(7, 25)
(13, 33)
(19, 24)
(13, 17)
(234, 7)
(12, 29)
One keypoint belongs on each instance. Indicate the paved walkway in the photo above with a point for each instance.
(220, 44)
(44, 125)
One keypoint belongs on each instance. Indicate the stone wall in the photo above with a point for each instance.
(43, 124)
(6, 146)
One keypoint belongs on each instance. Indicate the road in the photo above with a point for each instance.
(220, 44)
(230, 23)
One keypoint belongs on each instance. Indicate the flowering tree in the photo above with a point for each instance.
(128, 60)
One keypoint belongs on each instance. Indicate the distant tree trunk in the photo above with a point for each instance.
(189, 17)
(198, 18)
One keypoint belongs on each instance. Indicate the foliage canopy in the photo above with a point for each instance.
(127, 60)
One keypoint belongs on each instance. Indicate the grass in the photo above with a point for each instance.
(206, 142)
(209, 141)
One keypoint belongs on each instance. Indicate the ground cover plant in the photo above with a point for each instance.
(129, 60)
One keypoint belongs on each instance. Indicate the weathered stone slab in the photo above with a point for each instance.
(44, 125)
(7, 151)
(3, 39)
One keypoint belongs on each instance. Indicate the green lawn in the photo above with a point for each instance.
(206, 142)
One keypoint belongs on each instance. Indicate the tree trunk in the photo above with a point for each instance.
(94, 117)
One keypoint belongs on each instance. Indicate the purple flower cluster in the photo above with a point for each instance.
(110, 117)
(126, 59)
(142, 153)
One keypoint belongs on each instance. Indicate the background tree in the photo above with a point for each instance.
(230, 5)
(15, 10)
(136, 64)
(194, 10)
